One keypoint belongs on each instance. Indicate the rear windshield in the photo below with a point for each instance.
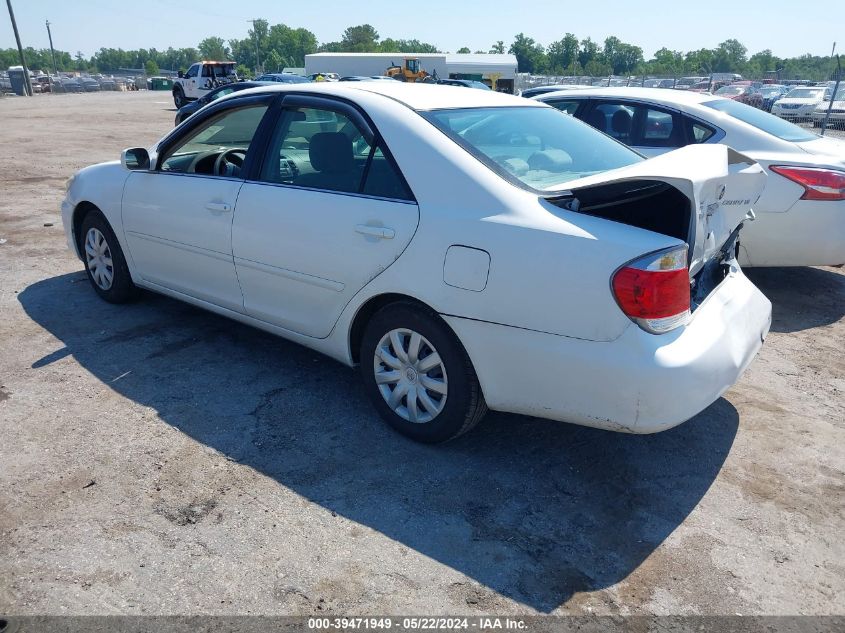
(764, 121)
(538, 148)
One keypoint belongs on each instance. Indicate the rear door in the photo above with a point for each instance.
(326, 211)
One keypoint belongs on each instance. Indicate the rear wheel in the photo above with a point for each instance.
(104, 260)
(418, 375)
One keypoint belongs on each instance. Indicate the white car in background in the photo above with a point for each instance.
(801, 214)
(467, 249)
(799, 103)
(837, 111)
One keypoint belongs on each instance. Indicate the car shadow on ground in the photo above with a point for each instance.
(533, 510)
(802, 297)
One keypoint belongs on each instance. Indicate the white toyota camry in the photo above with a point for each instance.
(466, 249)
(801, 214)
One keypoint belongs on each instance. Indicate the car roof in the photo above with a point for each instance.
(665, 95)
(415, 96)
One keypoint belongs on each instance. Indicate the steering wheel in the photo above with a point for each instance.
(230, 162)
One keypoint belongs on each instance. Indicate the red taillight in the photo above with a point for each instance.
(818, 183)
(654, 290)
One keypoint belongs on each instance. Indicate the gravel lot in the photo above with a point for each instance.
(157, 459)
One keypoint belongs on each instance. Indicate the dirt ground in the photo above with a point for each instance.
(157, 459)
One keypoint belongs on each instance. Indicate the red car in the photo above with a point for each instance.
(743, 93)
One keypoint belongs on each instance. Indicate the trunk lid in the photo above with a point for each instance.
(721, 184)
(825, 146)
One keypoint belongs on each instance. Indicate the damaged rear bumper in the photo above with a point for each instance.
(638, 383)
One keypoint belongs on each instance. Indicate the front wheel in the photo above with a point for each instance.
(104, 260)
(179, 98)
(418, 375)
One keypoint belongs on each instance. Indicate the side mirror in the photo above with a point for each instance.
(135, 159)
(180, 74)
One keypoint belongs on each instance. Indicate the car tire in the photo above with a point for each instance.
(105, 264)
(179, 97)
(407, 349)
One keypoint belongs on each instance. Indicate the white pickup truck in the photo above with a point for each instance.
(200, 78)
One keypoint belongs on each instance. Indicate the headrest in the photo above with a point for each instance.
(331, 152)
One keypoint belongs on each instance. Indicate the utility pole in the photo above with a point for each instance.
(26, 83)
(835, 90)
(52, 52)
(257, 60)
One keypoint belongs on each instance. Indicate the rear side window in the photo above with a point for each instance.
(638, 125)
(323, 149)
(697, 132)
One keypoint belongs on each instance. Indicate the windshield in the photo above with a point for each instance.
(804, 93)
(771, 92)
(539, 148)
(763, 121)
(730, 90)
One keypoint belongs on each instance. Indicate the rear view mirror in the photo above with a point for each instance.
(135, 158)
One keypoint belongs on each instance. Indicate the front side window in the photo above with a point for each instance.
(324, 149)
(218, 146)
(192, 71)
(221, 93)
(565, 106)
(535, 147)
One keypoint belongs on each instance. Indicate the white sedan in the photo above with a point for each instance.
(801, 214)
(799, 103)
(467, 249)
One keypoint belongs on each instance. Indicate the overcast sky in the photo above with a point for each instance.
(87, 25)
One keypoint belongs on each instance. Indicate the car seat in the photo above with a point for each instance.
(333, 161)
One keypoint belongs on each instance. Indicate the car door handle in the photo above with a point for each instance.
(218, 206)
(375, 231)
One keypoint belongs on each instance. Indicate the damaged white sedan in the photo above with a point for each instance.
(466, 249)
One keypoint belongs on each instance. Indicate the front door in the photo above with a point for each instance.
(178, 218)
(328, 212)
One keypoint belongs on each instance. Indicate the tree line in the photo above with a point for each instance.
(273, 47)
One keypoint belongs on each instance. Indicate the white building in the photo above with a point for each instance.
(481, 66)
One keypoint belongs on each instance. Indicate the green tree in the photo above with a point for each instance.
(213, 49)
(151, 68)
(562, 53)
(498, 47)
(588, 52)
(730, 56)
(530, 56)
(360, 39)
(463, 50)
